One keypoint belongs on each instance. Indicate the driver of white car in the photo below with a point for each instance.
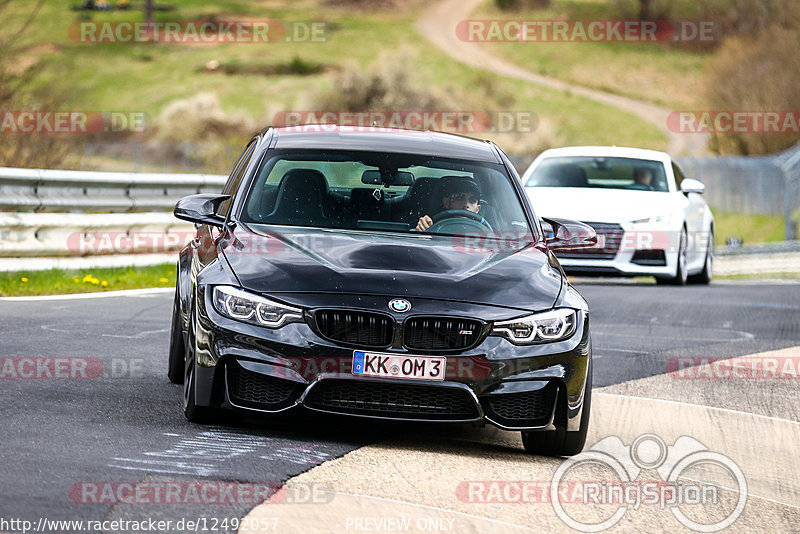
(459, 193)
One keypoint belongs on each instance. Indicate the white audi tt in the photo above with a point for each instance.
(650, 219)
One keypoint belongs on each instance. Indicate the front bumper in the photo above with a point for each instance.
(271, 371)
(626, 251)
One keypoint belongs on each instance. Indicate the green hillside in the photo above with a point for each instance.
(254, 81)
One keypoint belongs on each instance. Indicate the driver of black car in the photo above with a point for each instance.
(459, 193)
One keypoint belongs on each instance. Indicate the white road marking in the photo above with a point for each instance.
(181, 468)
(78, 296)
(50, 328)
(140, 334)
(734, 490)
(745, 335)
(698, 406)
(214, 447)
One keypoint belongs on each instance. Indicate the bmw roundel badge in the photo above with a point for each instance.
(399, 305)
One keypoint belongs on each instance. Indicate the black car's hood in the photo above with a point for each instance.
(280, 260)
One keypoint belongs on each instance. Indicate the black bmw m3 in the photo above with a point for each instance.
(386, 274)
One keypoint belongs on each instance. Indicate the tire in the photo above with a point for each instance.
(194, 413)
(177, 348)
(681, 272)
(704, 277)
(561, 442)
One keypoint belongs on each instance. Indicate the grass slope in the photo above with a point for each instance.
(147, 77)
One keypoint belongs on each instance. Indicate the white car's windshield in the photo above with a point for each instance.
(600, 172)
(386, 192)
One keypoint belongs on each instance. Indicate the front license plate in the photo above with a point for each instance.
(396, 366)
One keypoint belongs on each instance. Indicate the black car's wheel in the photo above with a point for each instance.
(704, 277)
(177, 348)
(561, 442)
(194, 413)
(681, 271)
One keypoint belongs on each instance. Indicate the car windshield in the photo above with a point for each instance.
(598, 172)
(383, 192)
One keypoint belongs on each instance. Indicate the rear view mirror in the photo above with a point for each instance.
(567, 233)
(400, 178)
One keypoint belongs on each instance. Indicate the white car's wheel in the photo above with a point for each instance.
(681, 271)
(704, 276)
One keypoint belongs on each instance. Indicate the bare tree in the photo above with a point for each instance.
(645, 9)
(24, 150)
(11, 79)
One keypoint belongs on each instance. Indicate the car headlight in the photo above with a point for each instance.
(545, 327)
(656, 220)
(247, 307)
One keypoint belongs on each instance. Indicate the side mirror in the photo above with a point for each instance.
(201, 209)
(567, 233)
(690, 185)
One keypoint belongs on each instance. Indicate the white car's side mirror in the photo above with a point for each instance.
(690, 185)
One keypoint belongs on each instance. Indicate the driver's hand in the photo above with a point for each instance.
(424, 223)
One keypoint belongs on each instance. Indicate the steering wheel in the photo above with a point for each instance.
(444, 219)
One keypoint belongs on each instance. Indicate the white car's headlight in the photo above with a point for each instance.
(545, 327)
(656, 220)
(247, 307)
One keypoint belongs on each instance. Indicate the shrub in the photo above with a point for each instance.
(512, 5)
(754, 75)
(197, 131)
(388, 84)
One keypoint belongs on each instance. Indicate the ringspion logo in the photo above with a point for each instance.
(678, 466)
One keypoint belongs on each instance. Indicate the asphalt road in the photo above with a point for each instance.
(66, 441)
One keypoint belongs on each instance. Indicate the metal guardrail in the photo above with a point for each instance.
(114, 202)
(117, 212)
(767, 185)
(43, 190)
(26, 235)
(778, 247)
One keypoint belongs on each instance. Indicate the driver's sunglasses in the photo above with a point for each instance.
(464, 197)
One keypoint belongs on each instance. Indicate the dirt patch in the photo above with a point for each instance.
(32, 56)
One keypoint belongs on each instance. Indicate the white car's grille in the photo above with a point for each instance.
(609, 238)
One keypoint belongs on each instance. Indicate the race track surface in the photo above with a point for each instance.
(66, 440)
